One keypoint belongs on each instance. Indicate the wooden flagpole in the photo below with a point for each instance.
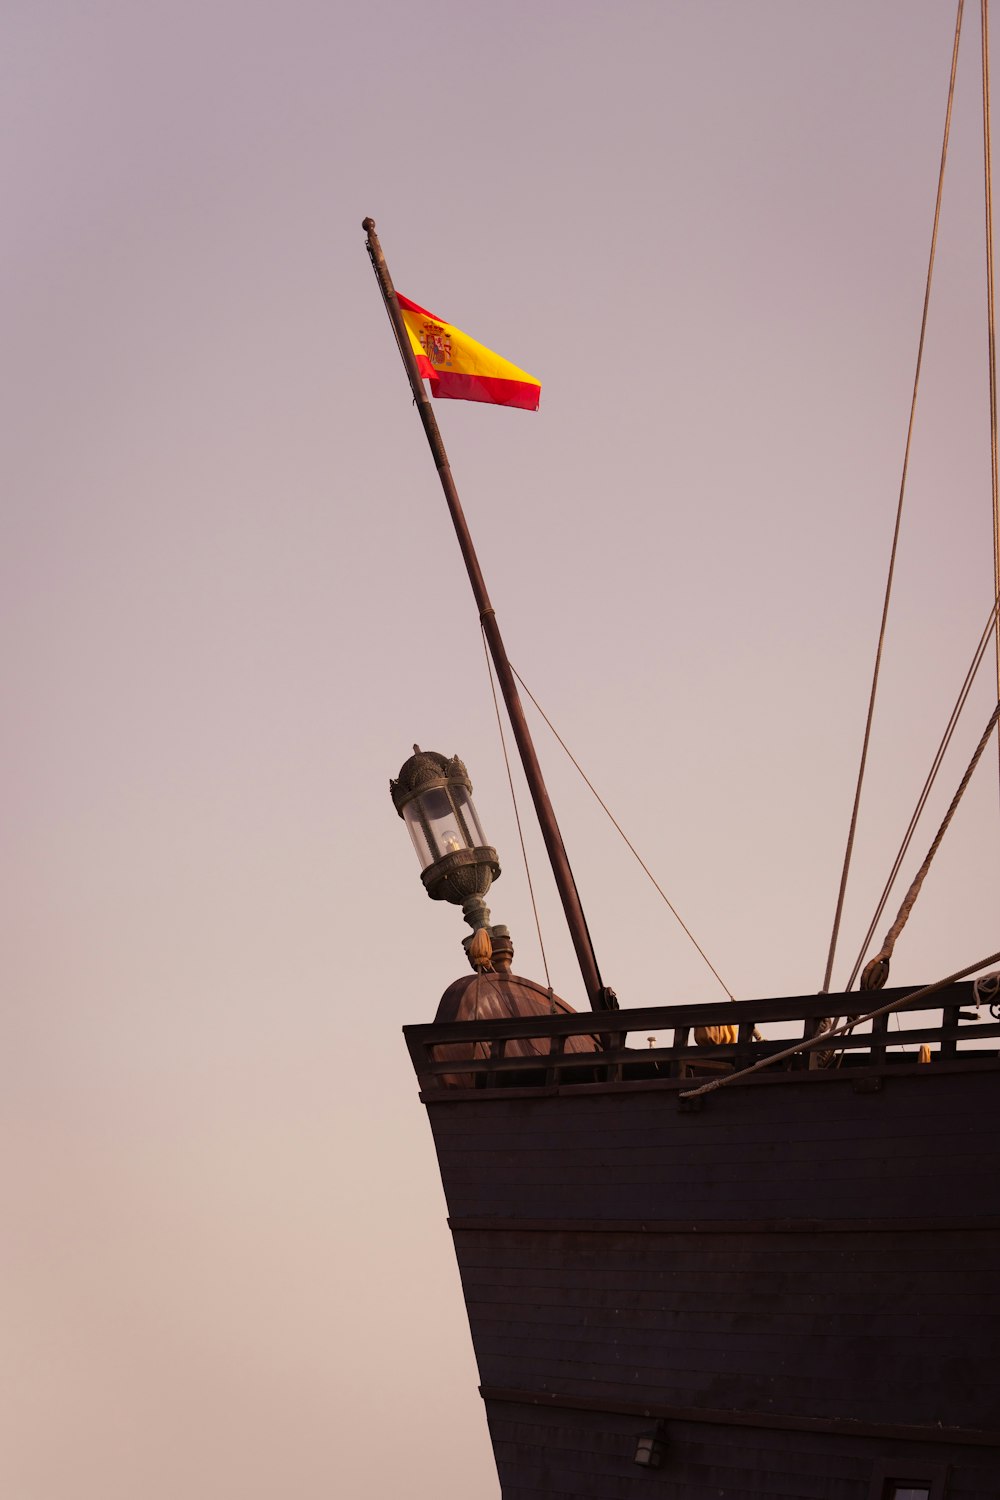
(601, 998)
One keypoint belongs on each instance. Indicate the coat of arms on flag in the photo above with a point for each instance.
(460, 368)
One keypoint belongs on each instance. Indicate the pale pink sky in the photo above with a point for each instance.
(232, 602)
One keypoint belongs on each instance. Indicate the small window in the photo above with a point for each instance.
(895, 1480)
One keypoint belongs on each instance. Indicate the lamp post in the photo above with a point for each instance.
(433, 796)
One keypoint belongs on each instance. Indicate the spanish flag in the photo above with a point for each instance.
(459, 368)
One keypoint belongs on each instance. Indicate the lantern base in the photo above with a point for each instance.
(461, 876)
(476, 912)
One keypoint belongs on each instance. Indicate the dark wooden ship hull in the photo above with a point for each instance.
(790, 1284)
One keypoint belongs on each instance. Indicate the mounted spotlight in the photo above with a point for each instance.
(651, 1448)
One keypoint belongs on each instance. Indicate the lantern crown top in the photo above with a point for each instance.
(425, 769)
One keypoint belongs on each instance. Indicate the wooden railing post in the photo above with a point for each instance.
(744, 1041)
(880, 1031)
(950, 1017)
(678, 1065)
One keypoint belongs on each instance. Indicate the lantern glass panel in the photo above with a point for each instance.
(411, 817)
(445, 829)
(467, 811)
(434, 826)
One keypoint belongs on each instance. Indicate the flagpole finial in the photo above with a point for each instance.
(367, 225)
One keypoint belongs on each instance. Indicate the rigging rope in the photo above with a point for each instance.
(517, 815)
(990, 308)
(877, 971)
(823, 1039)
(624, 836)
(946, 738)
(899, 510)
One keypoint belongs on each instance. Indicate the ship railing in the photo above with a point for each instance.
(483, 1055)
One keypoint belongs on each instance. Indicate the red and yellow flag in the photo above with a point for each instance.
(459, 368)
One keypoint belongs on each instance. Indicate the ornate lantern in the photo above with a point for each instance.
(433, 796)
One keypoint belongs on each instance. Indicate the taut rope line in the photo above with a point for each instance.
(877, 971)
(899, 509)
(624, 836)
(517, 816)
(942, 748)
(984, 12)
(823, 1039)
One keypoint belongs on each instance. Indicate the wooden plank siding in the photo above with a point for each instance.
(807, 1333)
(558, 1453)
(799, 1280)
(750, 1153)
